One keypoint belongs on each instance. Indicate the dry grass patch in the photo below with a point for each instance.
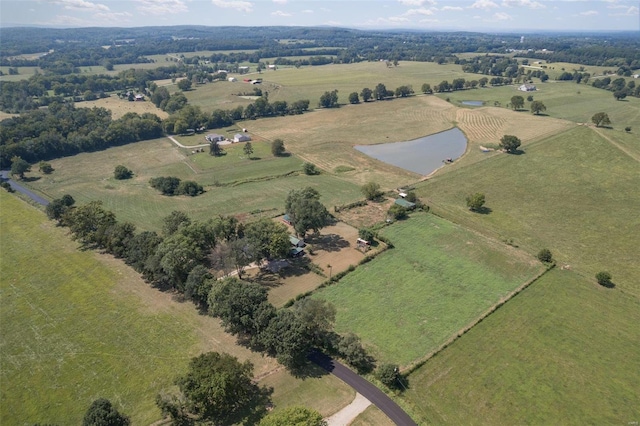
(120, 107)
(366, 216)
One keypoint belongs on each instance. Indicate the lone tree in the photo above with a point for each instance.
(517, 102)
(475, 201)
(510, 143)
(45, 167)
(217, 388)
(371, 190)
(214, 149)
(102, 413)
(600, 119)
(537, 107)
(121, 172)
(353, 98)
(620, 95)
(604, 279)
(310, 169)
(277, 148)
(184, 84)
(306, 211)
(248, 149)
(19, 167)
(545, 256)
(389, 374)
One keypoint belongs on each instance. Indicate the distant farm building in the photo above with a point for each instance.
(527, 88)
(286, 219)
(214, 137)
(232, 79)
(272, 67)
(296, 252)
(406, 204)
(241, 137)
(139, 97)
(296, 242)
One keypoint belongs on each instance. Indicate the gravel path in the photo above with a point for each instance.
(350, 412)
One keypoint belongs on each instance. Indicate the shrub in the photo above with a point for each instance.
(627, 129)
(166, 185)
(389, 375)
(7, 186)
(545, 256)
(371, 190)
(475, 201)
(121, 172)
(189, 187)
(604, 279)
(397, 212)
(277, 147)
(310, 169)
(45, 167)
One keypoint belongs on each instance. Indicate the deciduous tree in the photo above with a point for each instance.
(19, 167)
(305, 211)
(537, 107)
(294, 416)
(510, 143)
(371, 190)
(248, 149)
(102, 413)
(366, 94)
(353, 98)
(121, 172)
(475, 201)
(601, 119)
(517, 102)
(277, 148)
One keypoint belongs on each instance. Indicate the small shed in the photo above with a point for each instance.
(296, 252)
(527, 88)
(406, 204)
(241, 137)
(214, 137)
(286, 219)
(296, 242)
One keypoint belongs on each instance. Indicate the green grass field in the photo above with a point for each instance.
(575, 194)
(77, 326)
(437, 279)
(564, 351)
(248, 185)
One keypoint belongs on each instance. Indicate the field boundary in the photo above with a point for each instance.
(417, 364)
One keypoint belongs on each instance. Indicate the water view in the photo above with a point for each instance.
(423, 155)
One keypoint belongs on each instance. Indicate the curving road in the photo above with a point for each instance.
(366, 389)
(4, 176)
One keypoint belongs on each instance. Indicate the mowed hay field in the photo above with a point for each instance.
(80, 326)
(564, 351)
(120, 107)
(233, 183)
(575, 194)
(438, 279)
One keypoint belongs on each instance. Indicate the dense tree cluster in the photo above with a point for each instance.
(305, 211)
(63, 129)
(169, 185)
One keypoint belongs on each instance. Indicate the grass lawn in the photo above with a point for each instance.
(564, 351)
(82, 326)
(248, 185)
(437, 279)
(372, 416)
(575, 194)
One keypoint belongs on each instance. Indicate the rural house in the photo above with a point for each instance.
(527, 88)
(214, 137)
(296, 242)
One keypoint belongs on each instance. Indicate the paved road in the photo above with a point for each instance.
(366, 389)
(4, 175)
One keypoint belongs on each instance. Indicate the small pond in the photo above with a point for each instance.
(423, 155)
(473, 103)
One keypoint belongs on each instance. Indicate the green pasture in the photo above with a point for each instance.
(575, 193)
(233, 183)
(68, 337)
(564, 351)
(566, 100)
(438, 279)
(23, 73)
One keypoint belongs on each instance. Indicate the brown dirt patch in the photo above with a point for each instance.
(366, 216)
(119, 107)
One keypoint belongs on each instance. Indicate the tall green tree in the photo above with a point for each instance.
(102, 413)
(268, 239)
(354, 98)
(475, 201)
(380, 92)
(236, 302)
(366, 94)
(510, 143)
(329, 99)
(89, 223)
(217, 388)
(601, 119)
(537, 107)
(248, 149)
(19, 167)
(277, 147)
(306, 211)
(371, 190)
(517, 102)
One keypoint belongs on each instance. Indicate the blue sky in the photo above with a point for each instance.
(467, 15)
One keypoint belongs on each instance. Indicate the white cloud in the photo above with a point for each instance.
(67, 21)
(483, 4)
(280, 13)
(239, 5)
(161, 7)
(83, 5)
(416, 2)
(324, 9)
(458, 8)
(307, 11)
(531, 4)
(631, 11)
(589, 13)
(501, 16)
(421, 11)
(280, 1)
(113, 17)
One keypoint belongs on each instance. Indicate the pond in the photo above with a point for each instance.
(473, 103)
(423, 155)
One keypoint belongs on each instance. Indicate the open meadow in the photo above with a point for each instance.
(80, 326)
(564, 351)
(437, 279)
(120, 107)
(575, 194)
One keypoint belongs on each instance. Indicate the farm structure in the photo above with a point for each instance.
(296, 242)
(406, 204)
(527, 88)
(214, 137)
(241, 137)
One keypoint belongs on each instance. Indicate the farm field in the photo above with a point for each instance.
(564, 100)
(83, 326)
(575, 194)
(89, 176)
(120, 107)
(564, 351)
(437, 279)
